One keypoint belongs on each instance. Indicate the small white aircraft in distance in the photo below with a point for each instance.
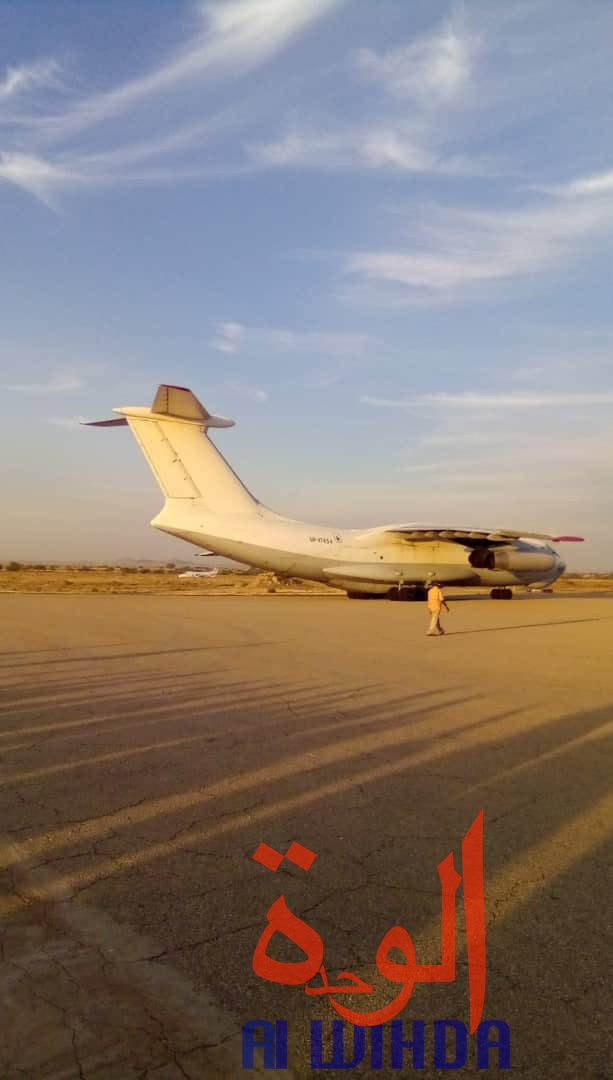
(207, 505)
(200, 573)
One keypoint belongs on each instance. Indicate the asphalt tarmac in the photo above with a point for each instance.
(149, 744)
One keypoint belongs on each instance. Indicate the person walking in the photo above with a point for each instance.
(436, 601)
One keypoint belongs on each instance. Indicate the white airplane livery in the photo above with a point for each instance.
(207, 505)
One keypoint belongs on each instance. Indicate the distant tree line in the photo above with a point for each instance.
(168, 568)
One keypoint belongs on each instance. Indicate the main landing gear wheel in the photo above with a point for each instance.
(501, 594)
(404, 592)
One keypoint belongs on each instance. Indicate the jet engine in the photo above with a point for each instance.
(511, 559)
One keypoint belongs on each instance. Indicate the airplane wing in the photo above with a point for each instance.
(418, 533)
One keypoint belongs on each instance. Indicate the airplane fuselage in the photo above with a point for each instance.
(207, 504)
(350, 558)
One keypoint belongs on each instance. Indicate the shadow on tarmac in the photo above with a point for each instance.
(381, 780)
(526, 626)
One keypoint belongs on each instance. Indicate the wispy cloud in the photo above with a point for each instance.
(596, 184)
(253, 393)
(68, 422)
(459, 439)
(432, 97)
(456, 248)
(372, 147)
(233, 37)
(227, 337)
(475, 400)
(57, 384)
(568, 468)
(228, 40)
(115, 136)
(432, 69)
(435, 66)
(233, 337)
(19, 80)
(36, 176)
(418, 108)
(575, 453)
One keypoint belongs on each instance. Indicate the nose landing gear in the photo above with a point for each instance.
(501, 594)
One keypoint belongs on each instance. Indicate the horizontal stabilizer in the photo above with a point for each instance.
(175, 402)
(181, 403)
(119, 422)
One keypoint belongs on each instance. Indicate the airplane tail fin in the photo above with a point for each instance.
(173, 436)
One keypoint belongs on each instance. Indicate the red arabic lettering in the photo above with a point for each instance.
(357, 986)
(282, 920)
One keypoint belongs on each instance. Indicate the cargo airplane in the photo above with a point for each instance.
(207, 505)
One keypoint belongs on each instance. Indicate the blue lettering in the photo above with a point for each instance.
(376, 1047)
(440, 1044)
(273, 1042)
(338, 1046)
(416, 1044)
(502, 1044)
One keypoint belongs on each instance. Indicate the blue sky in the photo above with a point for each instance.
(378, 235)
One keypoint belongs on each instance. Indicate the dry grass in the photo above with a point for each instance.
(583, 583)
(63, 580)
(159, 581)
